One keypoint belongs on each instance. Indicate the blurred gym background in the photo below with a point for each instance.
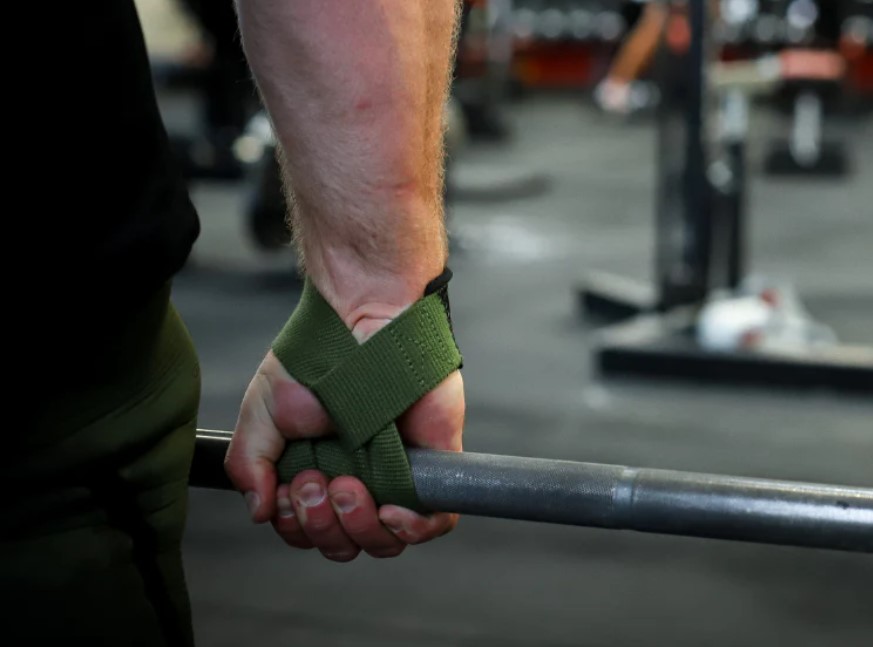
(564, 127)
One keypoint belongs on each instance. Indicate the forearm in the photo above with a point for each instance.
(356, 91)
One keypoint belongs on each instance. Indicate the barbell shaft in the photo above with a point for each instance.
(618, 497)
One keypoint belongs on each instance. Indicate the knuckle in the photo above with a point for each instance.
(232, 469)
(355, 525)
(320, 524)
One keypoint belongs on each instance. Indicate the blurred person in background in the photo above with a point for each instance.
(96, 480)
(620, 91)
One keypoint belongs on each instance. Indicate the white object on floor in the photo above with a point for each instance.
(763, 316)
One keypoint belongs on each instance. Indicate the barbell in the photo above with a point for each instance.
(618, 497)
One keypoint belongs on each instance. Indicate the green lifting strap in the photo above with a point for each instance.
(365, 388)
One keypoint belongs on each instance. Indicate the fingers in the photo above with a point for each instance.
(285, 523)
(317, 519)
(413, 528)
(340, 518)
(357, 513)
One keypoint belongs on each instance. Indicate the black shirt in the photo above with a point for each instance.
(109, 217)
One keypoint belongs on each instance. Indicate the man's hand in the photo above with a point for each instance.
(337, 517)
(356, 92)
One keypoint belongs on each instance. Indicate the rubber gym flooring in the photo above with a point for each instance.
(531, 391)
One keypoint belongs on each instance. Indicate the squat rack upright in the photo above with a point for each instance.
(699, 247)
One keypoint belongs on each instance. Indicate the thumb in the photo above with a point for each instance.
(256, 479)
(274, 408)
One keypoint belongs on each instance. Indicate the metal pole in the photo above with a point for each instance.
(683, 212)
(618, 497)
(697, 205)
(730, 192)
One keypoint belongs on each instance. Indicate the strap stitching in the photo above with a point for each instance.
(398, 344)
(432, 349)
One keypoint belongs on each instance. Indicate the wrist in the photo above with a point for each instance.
(364, 324)
(365, 297)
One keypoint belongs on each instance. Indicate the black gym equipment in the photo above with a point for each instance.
(808, 148)
(482, 98)
(618, 497)
(480, 102)
(267, 207)
(225, 92)
(207, 157)
(700, 223)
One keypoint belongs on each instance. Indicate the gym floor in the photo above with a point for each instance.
(531, 391)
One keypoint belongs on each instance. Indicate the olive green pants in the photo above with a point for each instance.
(94, 496)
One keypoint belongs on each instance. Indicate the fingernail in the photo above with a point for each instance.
(286, 510)
(393, 523)
(395, 528)
(253, 501)
(311, 495)
(344, 502)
